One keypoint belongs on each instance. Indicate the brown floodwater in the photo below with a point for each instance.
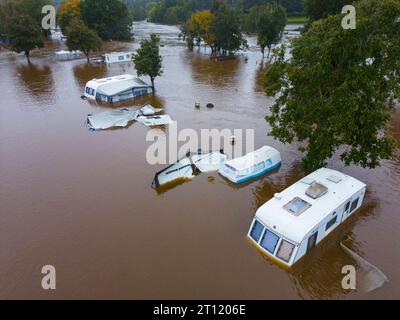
(82, 201)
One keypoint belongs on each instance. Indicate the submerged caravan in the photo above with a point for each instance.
(292, 223)
(188, 167)
(252, 165)
(116, 89)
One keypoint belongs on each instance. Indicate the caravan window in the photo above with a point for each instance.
(285, 250)
(347, 206)
(256, 230)
(330, 223)
(90, 91)
(120, 58)
(260, 166)
(354, 205)
(269, 241)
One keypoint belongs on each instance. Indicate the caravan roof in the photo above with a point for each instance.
(114, 85)
(252, 158)
(294, 212)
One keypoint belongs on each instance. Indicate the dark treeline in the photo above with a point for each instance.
(178, 11)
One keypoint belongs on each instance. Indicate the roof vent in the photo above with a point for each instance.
(334, 179)
(316, 190)
(308, 181)
(278, 196)
(297, 206)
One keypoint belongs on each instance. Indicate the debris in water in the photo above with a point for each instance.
(370, 277)
(119, 118)
(150, 121)
(188, 167)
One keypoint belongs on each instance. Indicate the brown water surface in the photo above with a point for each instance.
(82, 200)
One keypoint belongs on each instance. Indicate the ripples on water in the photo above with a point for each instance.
(83, 202)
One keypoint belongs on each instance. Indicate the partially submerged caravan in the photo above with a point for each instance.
(251, 165)
(188, 167)
(117, 57)
(64, 55)
(115, 89)
(293, 222)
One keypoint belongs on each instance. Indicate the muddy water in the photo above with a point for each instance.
(82, 201)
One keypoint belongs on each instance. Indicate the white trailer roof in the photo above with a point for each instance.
(252, 158)
(307, 211)
(114, 85)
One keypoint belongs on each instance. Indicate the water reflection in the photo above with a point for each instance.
(85, 72)
(38, 81)
(318, 274)
(213, 73)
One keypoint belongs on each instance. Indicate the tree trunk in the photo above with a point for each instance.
(152, 84)
(87, 57)
(28, 58)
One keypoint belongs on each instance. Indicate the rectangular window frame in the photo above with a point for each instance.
(256, 221)
(354, 204)
(267, 231)
(331, 223)
(291, 253)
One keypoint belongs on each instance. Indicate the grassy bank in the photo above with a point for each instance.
(297, 20)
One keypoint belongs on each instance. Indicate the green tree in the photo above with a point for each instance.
(24, 34)
(148, 60)
(80, 37)
(337, 91)
(68, 10)
(199, 26)
(227, 29)
(269, 26)
(109, 18)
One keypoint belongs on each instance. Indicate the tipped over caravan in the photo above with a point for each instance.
(294, 221)
(252, 165)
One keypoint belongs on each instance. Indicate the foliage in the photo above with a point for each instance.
(199, 26)
(80, 37)
(269, 26)
(317, 9)
(68, 10)
(109, 18)
(12, 8)
(227, 30)
(337, 91)
(24, 34)
(138, 9)
(148, 60)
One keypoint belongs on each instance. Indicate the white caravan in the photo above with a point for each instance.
(116, 89)
(294, 221)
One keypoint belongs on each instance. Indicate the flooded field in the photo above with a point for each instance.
(82, 201)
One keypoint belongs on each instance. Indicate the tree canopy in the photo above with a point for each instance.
(24, 34)
(80, 37)
(109, 18)
(68, 10)
(269, 23)
(148, 60)
(337, 91)
(227, 30)
(21, 24)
